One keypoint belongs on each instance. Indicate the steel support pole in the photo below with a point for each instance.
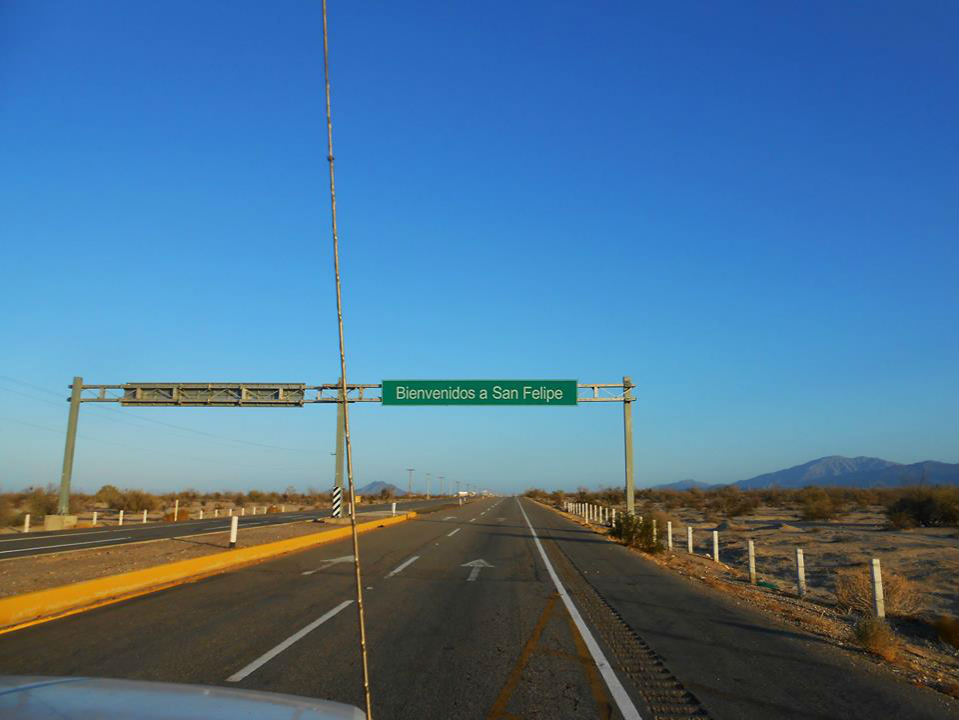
(63, 506)
(628, 443)
(409, 486)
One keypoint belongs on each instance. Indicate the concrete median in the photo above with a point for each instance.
(21, 610)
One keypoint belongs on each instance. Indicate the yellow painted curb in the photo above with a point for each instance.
(20, 610)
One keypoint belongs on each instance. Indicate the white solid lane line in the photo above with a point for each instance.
(41, 538)
(616, 689)
(451, 534)
(138, 526)
(47, 547)
(266, 657)
(402, 567)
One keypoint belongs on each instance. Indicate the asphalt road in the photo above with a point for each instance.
(471, 615)
(43, 542)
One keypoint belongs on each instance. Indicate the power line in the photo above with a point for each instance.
(127, 419)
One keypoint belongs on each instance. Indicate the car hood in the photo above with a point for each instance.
(43, 698)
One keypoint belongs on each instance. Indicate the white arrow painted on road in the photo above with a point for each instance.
(476, 566)
(327, 563)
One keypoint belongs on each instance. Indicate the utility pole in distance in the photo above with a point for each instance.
(409, 486)
(442, 478)
(427, 486)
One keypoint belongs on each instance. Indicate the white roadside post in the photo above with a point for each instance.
(393, 509)
(144, 516)
(176, 509)
(230, 512)
(201, 514)
(243, 511)
(689, 539)
(120, 522)
(878, 600)
(715, 546)
(654, 531)
(669, 534)
(26, 523)
(94, 522)
(233, 526)
(216, 512)
(282, 508)
(614, 517)
(752, 563)
(800, 573)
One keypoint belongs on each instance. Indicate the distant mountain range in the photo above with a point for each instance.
(375, 488)
(685, 485)
(839, 471)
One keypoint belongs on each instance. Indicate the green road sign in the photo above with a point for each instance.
(479, 392)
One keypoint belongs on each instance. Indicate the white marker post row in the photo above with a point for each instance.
(599, 514)
(875, 568)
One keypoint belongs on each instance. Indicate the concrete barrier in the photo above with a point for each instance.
(21, 610)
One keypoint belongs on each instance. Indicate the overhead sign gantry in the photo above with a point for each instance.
(559, 393)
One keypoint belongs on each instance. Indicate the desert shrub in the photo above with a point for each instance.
(877, 637)
(730, 501)
(816, 504)
(387, 494)
(7, 514)
(635, 533)
(695, 498)
(854, 592)
(138, 501)
(41, 502)
(181, 516)
(925, 507)
(625, 528)
(111, 496)
(947, 628)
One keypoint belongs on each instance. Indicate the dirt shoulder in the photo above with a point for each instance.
(40, 572)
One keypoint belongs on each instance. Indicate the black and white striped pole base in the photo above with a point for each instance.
(337, 502)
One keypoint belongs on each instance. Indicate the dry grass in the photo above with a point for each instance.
(947, 628)
(877, 637)
(854, 591)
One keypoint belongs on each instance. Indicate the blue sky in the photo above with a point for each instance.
(750, 208)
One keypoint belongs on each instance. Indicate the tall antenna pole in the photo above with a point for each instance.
(343, 392)
(409, 487)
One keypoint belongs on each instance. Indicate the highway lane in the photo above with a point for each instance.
(499, 645)
(440, 644)
(43, 542)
